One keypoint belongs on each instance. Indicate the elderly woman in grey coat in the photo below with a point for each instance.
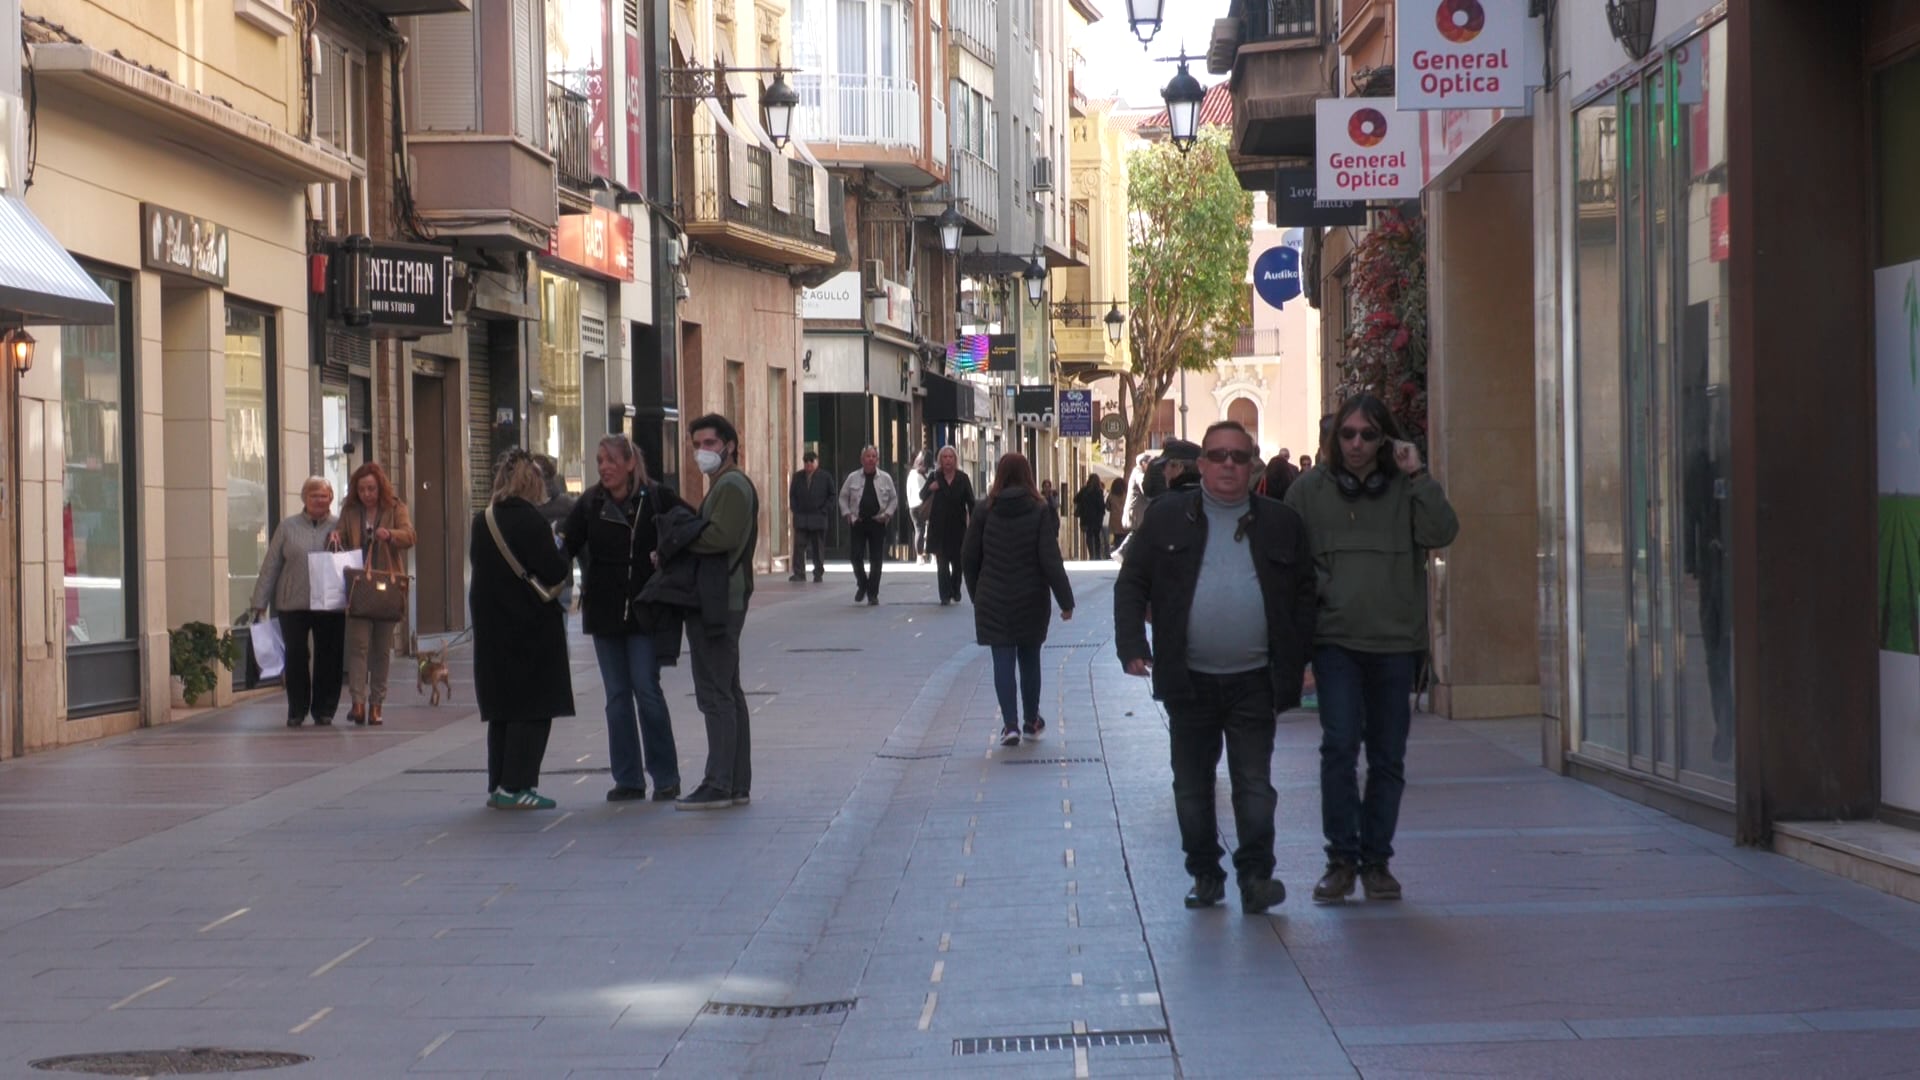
(283, 581)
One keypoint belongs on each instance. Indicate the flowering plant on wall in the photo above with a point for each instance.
(1386, 342)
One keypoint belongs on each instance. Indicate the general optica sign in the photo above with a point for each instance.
(1366, 149)
(1461, 54)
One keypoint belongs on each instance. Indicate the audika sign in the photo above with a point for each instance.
(1461, 54)
(1366, 149)
(1276, 275)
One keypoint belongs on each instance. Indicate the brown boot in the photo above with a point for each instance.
(357, 714)
(373, 716)
(1337, 885)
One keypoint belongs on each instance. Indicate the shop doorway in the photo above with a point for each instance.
(432, 552)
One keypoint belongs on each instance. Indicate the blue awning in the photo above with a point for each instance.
(39, 281)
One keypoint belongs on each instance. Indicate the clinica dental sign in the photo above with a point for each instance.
(1366, 149)
(1461, 54)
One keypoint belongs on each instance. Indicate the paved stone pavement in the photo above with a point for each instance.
(342, 894)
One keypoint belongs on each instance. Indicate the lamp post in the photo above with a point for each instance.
(1631, 22)
(950, 223)
(1036, 277)
(19, 348)
(1183, 96)
(1116, 323)
(1144, 17)
(779, 100)
(694, 82)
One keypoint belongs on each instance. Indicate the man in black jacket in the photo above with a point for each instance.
(811, 495)
(1246, 564)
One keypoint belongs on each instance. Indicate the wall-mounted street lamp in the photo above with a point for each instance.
(1183, 96)
(19, 348)
(1116, 323)
(1036, 276)
(1631, 22)
(696, 82)
(950, 223)
(1144, 17)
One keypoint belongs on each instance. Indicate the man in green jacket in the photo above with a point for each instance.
(1372, 513)
(731, 510)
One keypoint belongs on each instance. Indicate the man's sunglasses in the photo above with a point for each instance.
(1348, 434)
(1220, 456)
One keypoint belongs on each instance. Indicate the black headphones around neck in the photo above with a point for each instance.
(1352, 487)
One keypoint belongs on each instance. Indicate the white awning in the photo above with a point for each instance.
(39, 282)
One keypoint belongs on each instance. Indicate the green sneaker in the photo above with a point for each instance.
(521, 800)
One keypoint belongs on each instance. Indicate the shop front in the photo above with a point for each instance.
(579, 372)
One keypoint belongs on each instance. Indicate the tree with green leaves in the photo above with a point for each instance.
(1189, 229)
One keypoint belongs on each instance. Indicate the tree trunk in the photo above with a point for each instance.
(1139, 400)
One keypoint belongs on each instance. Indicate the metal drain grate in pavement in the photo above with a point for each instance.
(1077, 645)
(912, 757)
(1050, 761)
(1030, 1044)
(483, 772)
(826, 650)
(186, 1061)
(776, 1012)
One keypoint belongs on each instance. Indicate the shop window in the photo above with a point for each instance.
(98, 510)
(557, 415)
(253, 458)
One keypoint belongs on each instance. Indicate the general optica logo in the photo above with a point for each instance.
(1460, 21)
(1367, 127)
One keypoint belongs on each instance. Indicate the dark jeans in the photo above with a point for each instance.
(1364, 698)
(869, 540)
(316, 694)
(716, 687)
(1091, 534)
(515, 749)
(947, 570)
(1028, 657)
(1239, 710)
(808, 542)
(632, 678)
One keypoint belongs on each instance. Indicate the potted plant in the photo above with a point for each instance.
(192, 651)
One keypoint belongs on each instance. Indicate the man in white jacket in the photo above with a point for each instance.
(868, 500)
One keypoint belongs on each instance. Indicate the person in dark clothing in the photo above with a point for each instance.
(730, 534)
(811, 496)
(1280, 476)
(1090, 508)
(949, 499)
(1177, 467)
(521, 677)
(610, 530)
(868, 500)
(1011, 559)
(555, 508)
(1229, 580)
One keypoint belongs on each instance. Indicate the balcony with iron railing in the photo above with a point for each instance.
(976, 187)
(870, 109)
(570, 136)
(1282, 63)
(975, 24)
(732, 196)
(1283, 20)
(1081, 230)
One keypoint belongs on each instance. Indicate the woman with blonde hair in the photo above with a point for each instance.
(375, 522)
(520, 672)
(283, 583)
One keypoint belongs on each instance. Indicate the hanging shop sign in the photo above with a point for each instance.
(1367, 149)
(1276, 275)
(1112, 426)
(393, 290)
(1461, 54)
(893, 308)
(600, 241)
(1033, 406)
(837, 298)
(177, 243)
(1003, 353)
(1297, 203)
(1076, 414)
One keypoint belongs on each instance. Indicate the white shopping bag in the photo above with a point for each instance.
(327, 578)
(269, 649)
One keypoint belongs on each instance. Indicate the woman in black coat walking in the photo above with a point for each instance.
(1012, 561)
(520, 671)
(948, 496)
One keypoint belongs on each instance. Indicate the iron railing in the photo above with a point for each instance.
(1080, 314)
(977, 184)
(974, 23)
(858, 109)
(709, 162)
(1286, 19)
(1081, 231)
(570, 135)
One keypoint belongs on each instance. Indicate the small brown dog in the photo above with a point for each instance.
(434, 673)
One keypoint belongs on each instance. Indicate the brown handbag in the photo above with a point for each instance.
(379, 595)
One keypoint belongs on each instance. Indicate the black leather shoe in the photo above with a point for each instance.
(666, 794)
(323, 721)
(622, 793)
(1336, 885)
(1207, 891)
(796, 577)
(1259, 894)
(296, 721)
(873, 598)
(1378, 884)
(817, 578)
(859, 595)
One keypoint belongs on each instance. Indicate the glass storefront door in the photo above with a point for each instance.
(253, 453)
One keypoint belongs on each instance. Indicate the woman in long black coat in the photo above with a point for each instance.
(1012, 562)
(520, 670)
(948, 496)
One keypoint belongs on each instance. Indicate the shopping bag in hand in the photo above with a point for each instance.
(327, 578)
(269, 649)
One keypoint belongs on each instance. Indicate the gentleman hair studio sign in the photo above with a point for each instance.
(395, 289)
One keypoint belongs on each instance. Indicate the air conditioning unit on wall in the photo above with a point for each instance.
(1042, 174)
(873, 273)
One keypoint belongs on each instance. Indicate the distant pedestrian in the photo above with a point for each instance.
(730, 513)
(1279, 477)
(1116, 517)
(1177, 468)
(521, 674)
(611, 531)
(948, 497)
(374, 522)
(868, 501)
(1012, 562)
(1306, 462)
(284, 583)
(1090, 510)
(916, 510)
(1227, 579)
(1134, 509)
(1373, 514)
(810, 495)
(1049, 496)
(555, 508)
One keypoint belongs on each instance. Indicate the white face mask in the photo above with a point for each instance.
(709, 461)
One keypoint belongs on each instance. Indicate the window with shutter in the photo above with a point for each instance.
(445, 86)
(529, 60)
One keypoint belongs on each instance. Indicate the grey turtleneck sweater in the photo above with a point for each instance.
(1227, 628)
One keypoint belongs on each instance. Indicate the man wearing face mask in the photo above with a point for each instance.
(1372, 513)
(868, 500)
(731, 511)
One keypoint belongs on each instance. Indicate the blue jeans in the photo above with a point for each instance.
(1028, 657)
(1364, 698)
(632, 675)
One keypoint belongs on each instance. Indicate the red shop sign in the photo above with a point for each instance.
(600, 241)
